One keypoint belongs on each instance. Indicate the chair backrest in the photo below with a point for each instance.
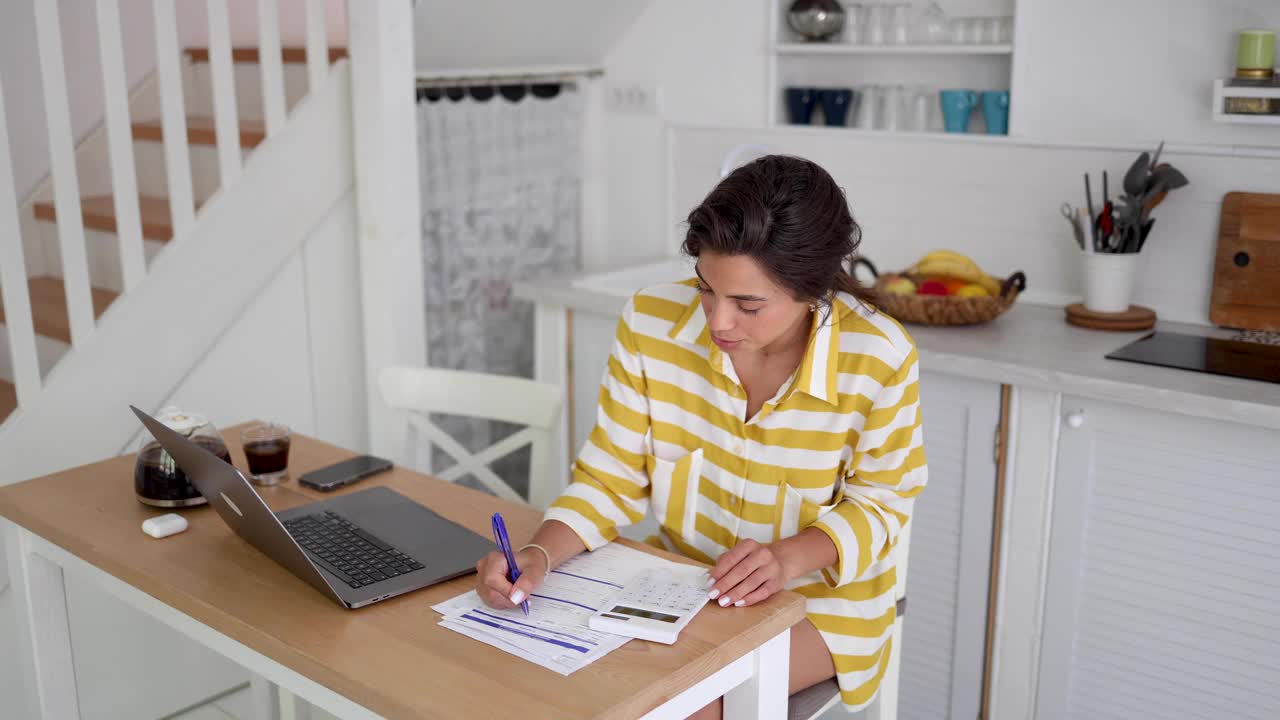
(810, 704)
(417, 392)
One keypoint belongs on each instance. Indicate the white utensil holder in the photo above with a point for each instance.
(1108, 281)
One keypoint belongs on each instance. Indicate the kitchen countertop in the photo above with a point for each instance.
(1028, 346)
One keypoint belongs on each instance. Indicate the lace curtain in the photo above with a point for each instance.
(501, 188)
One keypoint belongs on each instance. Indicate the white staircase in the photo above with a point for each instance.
(84, 292)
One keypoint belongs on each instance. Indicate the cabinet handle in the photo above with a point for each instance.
(1075, 419)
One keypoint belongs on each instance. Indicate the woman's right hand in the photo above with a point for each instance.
(493, 587)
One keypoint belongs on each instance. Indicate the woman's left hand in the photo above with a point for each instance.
(747, 574)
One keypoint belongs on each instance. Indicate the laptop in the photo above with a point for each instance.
(357, 548)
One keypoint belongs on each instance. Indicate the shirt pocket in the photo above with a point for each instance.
(798, 509)
(673, 488)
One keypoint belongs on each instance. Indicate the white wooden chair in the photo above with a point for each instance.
(416, 391)
(811, 703)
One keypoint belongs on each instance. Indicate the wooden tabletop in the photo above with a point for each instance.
(390, 657)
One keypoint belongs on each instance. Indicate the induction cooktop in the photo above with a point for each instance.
(1254, 361)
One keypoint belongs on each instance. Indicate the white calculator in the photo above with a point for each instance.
(655, 605)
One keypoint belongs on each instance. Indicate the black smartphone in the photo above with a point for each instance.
(344, 473)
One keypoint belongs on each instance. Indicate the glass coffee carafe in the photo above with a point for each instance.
(157, 479)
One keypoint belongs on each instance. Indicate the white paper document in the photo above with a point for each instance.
(555, 635)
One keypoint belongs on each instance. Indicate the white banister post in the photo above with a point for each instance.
(124, 179)
(62, 164)
(273, 111)
(317, 44)
(13, 279)
(380, 40)
(226, 116)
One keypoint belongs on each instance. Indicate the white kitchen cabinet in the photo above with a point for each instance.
(944, 632)
(1163, 568)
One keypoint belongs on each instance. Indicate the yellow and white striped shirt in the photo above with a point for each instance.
(839, 448)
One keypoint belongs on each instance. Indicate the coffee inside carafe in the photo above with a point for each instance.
(160, 482)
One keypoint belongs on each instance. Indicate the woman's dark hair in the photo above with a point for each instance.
(788, 214)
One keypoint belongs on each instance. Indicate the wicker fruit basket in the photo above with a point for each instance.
(945, 309)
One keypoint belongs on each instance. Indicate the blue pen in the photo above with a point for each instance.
(504, 544)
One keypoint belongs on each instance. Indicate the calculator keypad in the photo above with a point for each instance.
(679, 594)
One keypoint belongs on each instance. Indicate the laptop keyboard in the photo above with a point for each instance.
(356, 556)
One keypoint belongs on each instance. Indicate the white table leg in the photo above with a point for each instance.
(764, 695)
(293, 707)
(44, 631)
(265, 697)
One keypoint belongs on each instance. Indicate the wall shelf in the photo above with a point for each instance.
(837, 48)
(1222, 91)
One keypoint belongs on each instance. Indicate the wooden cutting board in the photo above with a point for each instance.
(1246, 275)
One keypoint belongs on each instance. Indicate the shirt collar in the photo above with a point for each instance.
(819, 368)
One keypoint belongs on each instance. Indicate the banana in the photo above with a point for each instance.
(953, 264)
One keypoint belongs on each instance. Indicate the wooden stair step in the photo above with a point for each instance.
(250, 54)
(201, 131)
(49, 306)
(8, 399)
(100, 214)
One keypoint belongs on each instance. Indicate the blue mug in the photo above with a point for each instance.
(995, 110)
(800, 103)
(956, 107)
(836, 104)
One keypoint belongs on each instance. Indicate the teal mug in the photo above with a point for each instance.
(956, 107)
(995, 110)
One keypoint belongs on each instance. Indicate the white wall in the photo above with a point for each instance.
(997, 202)
(479, 34)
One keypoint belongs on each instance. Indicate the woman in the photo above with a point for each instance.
(770, 418)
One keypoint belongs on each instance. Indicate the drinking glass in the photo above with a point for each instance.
(266, 448)
(855, 23)
(869, 108)
(989, 30)
(899, 23)
(877, 23)
(919, 106)
(931, 28)
(891, 115)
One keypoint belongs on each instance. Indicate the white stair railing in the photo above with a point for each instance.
(269, 62)
(317, 44)
(226, 121)
(13, 278)
(65, 177)
(124, 179)
(66, 185)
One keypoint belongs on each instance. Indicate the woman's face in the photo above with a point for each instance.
(745, 309)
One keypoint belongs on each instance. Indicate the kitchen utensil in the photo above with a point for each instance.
(1155, 159)
(1136, 174)
(1088, 199)
(1073, 218)
(1247, 265)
